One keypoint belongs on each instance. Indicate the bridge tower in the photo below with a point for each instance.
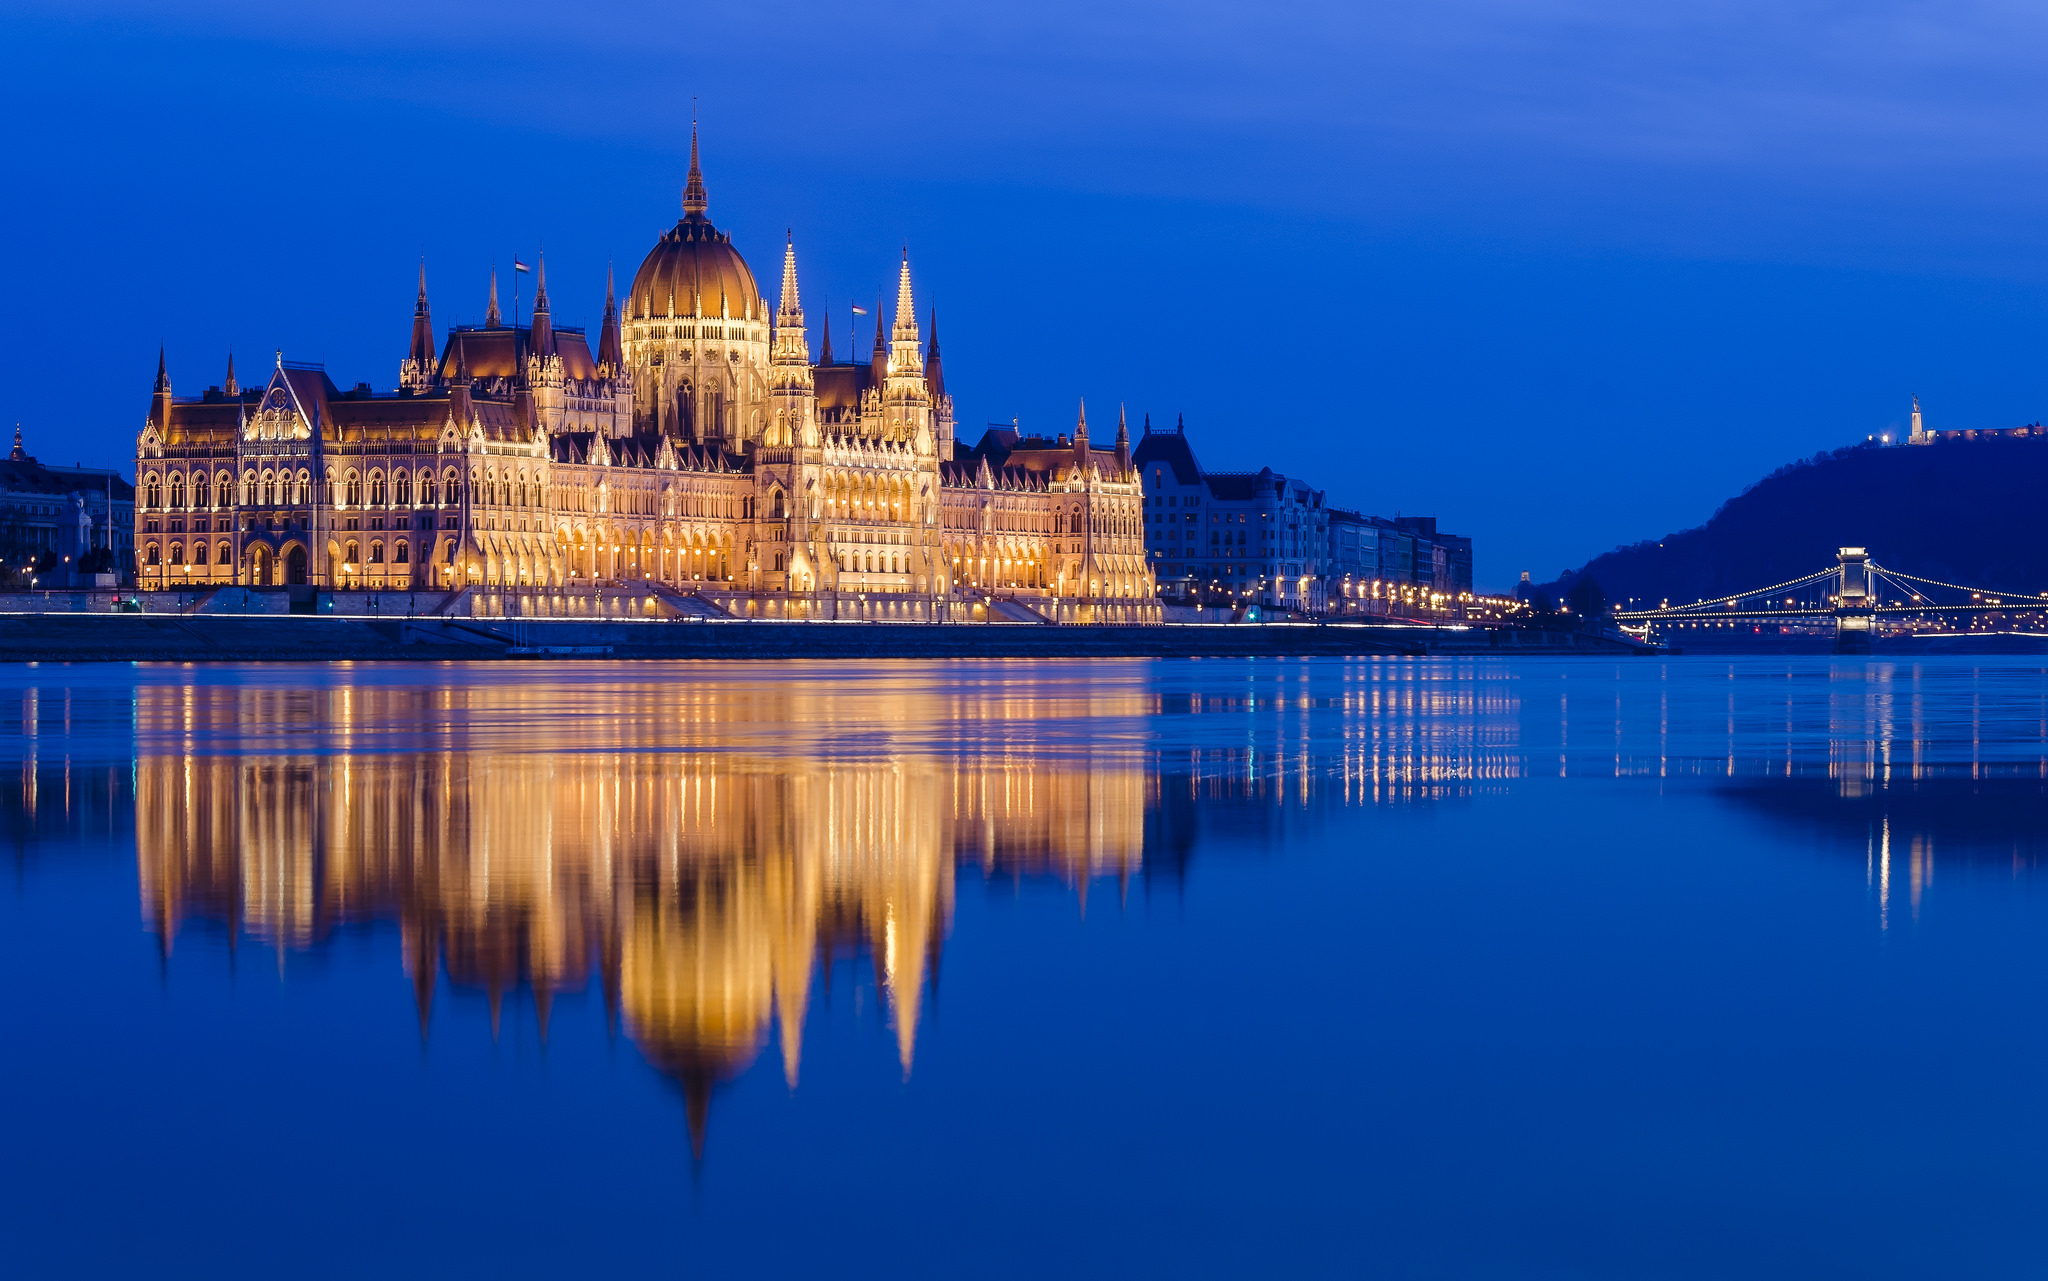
(1855, 625)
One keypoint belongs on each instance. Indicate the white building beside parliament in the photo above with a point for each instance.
(699, 447)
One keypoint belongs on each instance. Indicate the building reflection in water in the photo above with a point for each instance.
(528, 842)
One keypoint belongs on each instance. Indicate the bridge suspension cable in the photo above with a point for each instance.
(1738, 596)
(1958, 587)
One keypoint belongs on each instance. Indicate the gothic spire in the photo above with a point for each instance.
(934, 379)
(1081, 427)
(541, 335)
(694, 199)
(491, 317)
(610, 351)
(906, 310)
(878, 360)
(789, 310)
(421, 353)
(163, 377)
(825, 357)
(230, 387)
(1123, 431)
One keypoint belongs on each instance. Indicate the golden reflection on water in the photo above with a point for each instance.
(697, 848)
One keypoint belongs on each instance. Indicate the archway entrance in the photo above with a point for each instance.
(295, 567)
(259, 566)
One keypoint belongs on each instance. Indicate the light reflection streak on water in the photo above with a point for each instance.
(696, 840)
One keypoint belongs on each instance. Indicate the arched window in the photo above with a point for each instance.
(775, 505)
(376, 553)
(156, 494)
(401, 487)
(352, 555)
(401, 552)
(199, 553)
(202, 493)
(223, 555)
(272, 494)
(376, 489)
(155, 554)
(304, 482)
(352, 493)
(426, 489)
(177, 492)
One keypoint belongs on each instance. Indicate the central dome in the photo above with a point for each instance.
(693, 269)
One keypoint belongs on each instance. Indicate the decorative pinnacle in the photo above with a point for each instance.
(790, 305)
(694, 199)
(163, 377)
(906, 310)
(540, 295)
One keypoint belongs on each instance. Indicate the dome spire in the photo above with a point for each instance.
(694, 199)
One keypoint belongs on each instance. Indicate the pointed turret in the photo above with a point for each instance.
(934, 379)
(791, 387)
(789, 305)
(541, 338)
(160, 398)
(491, 317)
(909, 401)
(416, 371)
(228, 386)
(695, 202)
(1123, 441)
(611, 348)
(19, 455)
(878, 360)
(825, 356)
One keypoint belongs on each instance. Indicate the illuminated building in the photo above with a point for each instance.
(697, 445)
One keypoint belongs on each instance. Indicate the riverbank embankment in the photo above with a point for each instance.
(68, 637)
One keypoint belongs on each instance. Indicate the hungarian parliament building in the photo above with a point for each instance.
(698, 449)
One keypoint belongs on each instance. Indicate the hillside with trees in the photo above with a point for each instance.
(1965, 511)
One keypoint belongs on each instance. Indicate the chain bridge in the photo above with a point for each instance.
(1855, 595)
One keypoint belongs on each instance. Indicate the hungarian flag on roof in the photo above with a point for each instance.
(520, 266)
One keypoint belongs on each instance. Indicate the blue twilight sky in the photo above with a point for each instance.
(1564, 274)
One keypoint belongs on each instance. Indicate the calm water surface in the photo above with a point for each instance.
(1404, 968)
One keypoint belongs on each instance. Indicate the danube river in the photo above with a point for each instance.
(1685, 968)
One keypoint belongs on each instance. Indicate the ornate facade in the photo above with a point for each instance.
(698, 446)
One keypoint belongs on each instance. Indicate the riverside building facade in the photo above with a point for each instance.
(1244, 538)
(696, 447)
